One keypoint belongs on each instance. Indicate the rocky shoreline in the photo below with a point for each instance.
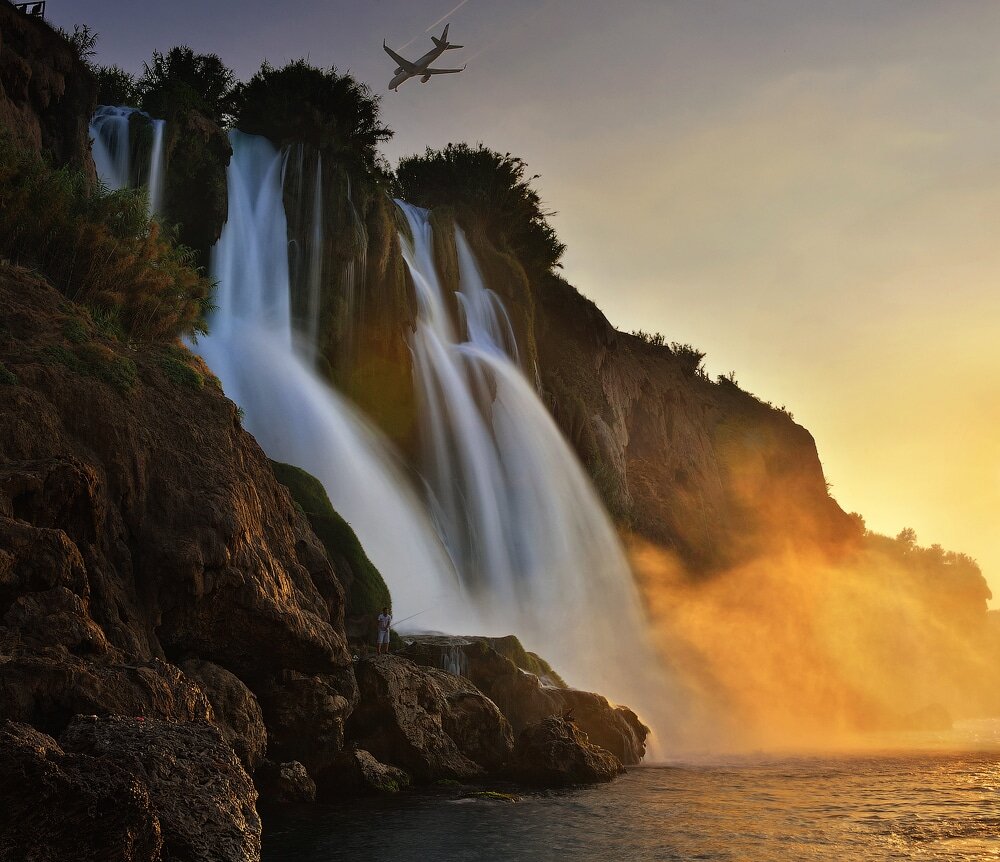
(170, 626)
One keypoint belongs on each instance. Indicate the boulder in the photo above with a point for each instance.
(357, 772)
(555, 752)
(56, 806)
(236, 711)
(202, 797)
(431, 723)
(284, 782)
(305, 716)
(527, 690)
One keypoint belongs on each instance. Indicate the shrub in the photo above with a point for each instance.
(83, 40)
(655, 339)
(689, 357)
(493, 187)
(323, 108)
(98, 248)
(180, 80)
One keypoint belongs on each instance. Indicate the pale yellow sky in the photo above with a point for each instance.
(808, 190)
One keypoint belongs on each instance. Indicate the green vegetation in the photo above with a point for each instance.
(368, 593)
(7, 377)
(99, 248)
(175, 364)
(181, 80)
(322, 108)
(94, 360)
(115, 86)
(75, 330)
(495, 188)
(83, 41)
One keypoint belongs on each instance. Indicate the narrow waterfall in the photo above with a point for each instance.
(112, 145)
(536, 551)
(294, 415)
(120, 163)
(302, 180)
(155, 176)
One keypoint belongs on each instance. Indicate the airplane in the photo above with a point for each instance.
(421, 68)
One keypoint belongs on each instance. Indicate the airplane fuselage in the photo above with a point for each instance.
(420, 67)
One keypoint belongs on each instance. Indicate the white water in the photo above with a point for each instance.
(536, 551)
(294, 415)
(112, 151)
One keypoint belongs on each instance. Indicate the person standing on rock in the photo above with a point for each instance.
(384, 621)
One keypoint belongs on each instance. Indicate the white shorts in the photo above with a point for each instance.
(383, 637)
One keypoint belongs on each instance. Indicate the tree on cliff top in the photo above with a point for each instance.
(300, 103)
(494, 188)
(181, 80)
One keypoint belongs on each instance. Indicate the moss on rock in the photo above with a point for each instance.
(367, 592)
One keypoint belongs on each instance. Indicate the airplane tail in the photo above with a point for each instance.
(442, 41)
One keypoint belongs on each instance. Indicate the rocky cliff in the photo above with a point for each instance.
(46, 93)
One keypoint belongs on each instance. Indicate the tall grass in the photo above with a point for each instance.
(98, 248)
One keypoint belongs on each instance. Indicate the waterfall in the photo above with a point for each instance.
(155, 178)
(302, 180)
(510, 537)
(295, 416)
(114, 156)
(109, 130)
(537, 554)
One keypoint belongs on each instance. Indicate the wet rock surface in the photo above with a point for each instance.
(431, 723)
(523, 696)
(555, 752)
(357, 772)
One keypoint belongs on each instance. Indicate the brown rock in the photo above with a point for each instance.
(204, 800)
(46, 94)
(284, 782)
(554, 753)
(525, 699)
(235, 710)
(56, 806)
(305, 716)
(145, 526)
(356, 772)
(431, 723)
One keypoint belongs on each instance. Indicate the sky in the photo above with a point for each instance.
(808, 191)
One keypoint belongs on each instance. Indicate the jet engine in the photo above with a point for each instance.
(425, 79)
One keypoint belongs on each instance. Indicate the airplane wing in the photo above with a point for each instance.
(442, 71)
(403, 63)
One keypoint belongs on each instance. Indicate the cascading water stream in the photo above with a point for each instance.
(527, 548)
(535, 549)
(294, 415)
(111, 133)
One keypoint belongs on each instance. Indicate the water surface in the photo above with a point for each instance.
(921, 805)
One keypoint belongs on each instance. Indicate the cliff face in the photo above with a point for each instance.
(46, 94)
(141, 525)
